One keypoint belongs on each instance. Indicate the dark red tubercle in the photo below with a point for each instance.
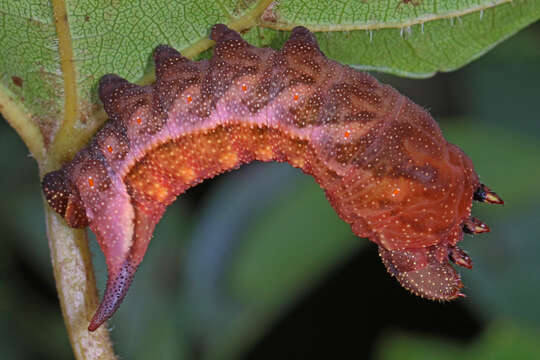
(120, 97)
(221, 32)
(381, 159)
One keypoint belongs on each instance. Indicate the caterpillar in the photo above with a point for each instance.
(381, 159)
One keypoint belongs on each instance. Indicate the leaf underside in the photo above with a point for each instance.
(49, 70)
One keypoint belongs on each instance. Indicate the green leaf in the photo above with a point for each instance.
(409, 38)
(54, 55)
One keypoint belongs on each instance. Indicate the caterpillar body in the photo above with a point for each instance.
(381, 159)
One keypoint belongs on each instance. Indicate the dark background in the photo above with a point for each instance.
(255, 265)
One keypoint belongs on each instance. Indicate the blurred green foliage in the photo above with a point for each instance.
(501, 341)
(230, 259)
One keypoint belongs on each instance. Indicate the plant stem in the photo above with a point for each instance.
(76, 286)
(20, 120)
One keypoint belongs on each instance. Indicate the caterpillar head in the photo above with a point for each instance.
(64, 199)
